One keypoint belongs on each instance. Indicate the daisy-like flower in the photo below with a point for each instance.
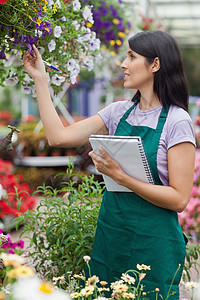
(120, 288)
(128, 295)
(143, 267)
(127, 278)
(113, 284)
(61, 279)
(76, 5)
(79, 277)
(75, 295)
(20, 272)
(52, 45)
(103, 289)
(12, 260)
(103, 283)
(88, 290)
(191, 285)
(92, 280)
(57, 31)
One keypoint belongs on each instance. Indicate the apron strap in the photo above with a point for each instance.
(125, 116)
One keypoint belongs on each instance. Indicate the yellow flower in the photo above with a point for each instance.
(46, 2)
(88, 290)
(103, 283)
(128, 295)
(47, 29)
(157, 290)
(25, 3)
(46, 288)
(75, 295)
(103, 47)
(116, 21)
(113, 53)
(112, 42)
(119, 288)
(103, 289)
(20, 272)
(128, 278)
(54, 8)
(92, 280)
(143, 267)
(79, 277)
(121, 34)
(118, 42)
(118, 63)
(45, 8)
(127, 31)
(89, 24)
(39, 21)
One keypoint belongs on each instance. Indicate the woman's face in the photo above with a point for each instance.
(137, 73)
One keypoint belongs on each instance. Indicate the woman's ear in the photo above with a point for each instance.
(155, 65)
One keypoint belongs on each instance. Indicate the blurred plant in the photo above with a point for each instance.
(13, 190)
(110, 23)
(58, 28)
(147, 23)
(64, 225)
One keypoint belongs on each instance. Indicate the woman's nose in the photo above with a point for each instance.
(123, 64)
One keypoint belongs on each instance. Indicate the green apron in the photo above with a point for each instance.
(131, 230)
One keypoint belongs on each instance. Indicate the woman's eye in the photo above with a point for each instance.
(132, 56)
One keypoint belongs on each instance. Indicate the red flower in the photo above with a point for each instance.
(2, 1)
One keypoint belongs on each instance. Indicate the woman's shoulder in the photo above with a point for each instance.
(177, 114)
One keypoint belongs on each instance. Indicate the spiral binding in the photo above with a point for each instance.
(145, 163)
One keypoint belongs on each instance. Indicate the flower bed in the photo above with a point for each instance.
(13, 190)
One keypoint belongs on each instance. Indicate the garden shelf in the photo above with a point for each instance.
(46, 161)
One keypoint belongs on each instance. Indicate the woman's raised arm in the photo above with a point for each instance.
(71, 136)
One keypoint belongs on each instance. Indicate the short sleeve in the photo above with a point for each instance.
(181, 132)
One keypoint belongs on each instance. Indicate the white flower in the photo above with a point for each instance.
(8, 61)
(88, 62)
(71, 64)
(58, 4)
(94, 45)
(2, 191)
(57, 80)
(34, 289)
(26, 89)
(191, 285)
(88, 15)
(76, 24)
(86, 258)
(12, 259)
(52, 45)
(128, 278)
(12, 80)
(57, 31)
(76, 5)
(97, 57)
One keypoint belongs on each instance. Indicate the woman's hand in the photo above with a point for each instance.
(106, 165)
(33, 63)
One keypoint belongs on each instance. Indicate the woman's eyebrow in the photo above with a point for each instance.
(130, 52)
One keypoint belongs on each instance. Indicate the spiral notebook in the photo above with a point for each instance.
(129, 152)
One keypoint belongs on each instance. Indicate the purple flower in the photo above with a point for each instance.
(120, 26)
(103, 11)
(103, 3)
(96, 14)
(107, 24)
(120, 1)
(1, 230)
(114, 11)
(99, 23)
(2, 54)
(109, 35)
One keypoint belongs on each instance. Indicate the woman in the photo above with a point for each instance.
(140, 227)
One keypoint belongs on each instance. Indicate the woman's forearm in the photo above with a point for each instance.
(162, 196)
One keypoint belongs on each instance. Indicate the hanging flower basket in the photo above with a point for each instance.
(58, 28)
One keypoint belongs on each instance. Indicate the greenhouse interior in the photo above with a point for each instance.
(100, 149)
